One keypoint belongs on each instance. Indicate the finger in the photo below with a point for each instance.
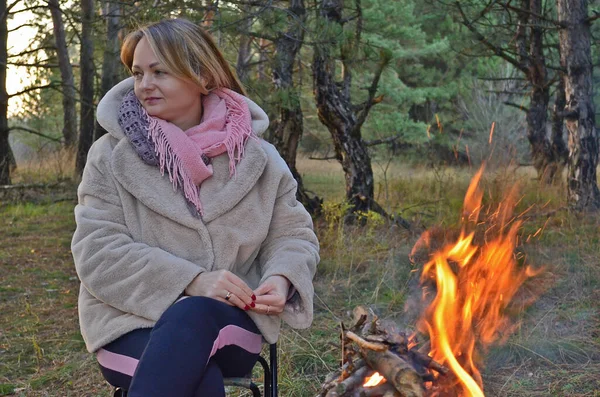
(226, 301)
(274, 306)
(241, 295)
(269, 309)
(272, 299)
(235, 300)
(244, 290)
(264, 288)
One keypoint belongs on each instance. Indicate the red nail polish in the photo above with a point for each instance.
(253, 304)
(247, 307)
(253, 297)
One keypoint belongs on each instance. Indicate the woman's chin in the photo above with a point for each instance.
(152, 112)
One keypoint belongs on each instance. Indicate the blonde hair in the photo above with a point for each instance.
(187, 50)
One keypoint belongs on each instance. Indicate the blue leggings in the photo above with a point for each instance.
(195, 343)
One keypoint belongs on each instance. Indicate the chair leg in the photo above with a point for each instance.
(267, 376)
(120, 392)
(255, 390)
(273, 359)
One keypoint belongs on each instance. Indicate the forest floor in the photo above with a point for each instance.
(554, 351)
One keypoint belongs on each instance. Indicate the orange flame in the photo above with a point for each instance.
(474, 285)
(374, 380)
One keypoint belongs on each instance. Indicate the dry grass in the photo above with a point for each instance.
(555, 351)
(53, 166)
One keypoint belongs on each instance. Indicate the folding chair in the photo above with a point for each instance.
(270, 378)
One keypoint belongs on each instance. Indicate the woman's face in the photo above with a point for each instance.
(162, 94)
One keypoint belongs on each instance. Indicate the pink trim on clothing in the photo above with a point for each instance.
(234, 335)
(228, 335)
(117, 362)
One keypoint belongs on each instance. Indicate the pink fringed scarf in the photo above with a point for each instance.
(226, 125)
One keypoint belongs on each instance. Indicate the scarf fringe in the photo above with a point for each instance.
(172, 163)
(238, 130)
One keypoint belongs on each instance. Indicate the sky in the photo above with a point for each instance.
(17, 77)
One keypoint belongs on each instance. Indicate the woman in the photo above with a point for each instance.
(190, 244)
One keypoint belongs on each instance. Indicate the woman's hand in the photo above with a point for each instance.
(271, 295)
(223, 286)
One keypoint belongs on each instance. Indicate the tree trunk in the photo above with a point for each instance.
(210, 8)
(582, 187)
(244, 52)
(86, 126)
(540, 96)
(286, 132)
(343, 119)
(531, 54)
(559, 149)
(111, 63)
(262, 59)
(4, 145)
(66, 74)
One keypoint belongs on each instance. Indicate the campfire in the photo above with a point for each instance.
(467, 286)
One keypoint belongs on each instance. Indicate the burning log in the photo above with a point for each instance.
(396, 371)
(383, 350)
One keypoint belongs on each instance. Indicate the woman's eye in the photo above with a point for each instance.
(159, 72)
(137, 75)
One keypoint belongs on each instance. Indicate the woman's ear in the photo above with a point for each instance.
(203, 85)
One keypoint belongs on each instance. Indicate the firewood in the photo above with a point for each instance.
(375, 339)
(384, 389)
(429, 362)
(356, 379)
(363, 317)
(334, 378)
(396, 371)
(392, 333)
(365, 344)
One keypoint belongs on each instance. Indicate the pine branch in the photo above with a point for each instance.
(39, 65)
(371, 100)
(495, 49)
(502, 79)
(381, 141)
(27, 9)
(25, 25)
(53, 48)
(29, 89)
(538, 16)
(323, 158)
(516, 105)
(593, 18)
(34, 132)
(7, 11)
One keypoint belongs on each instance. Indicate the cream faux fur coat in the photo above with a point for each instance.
(137, 246)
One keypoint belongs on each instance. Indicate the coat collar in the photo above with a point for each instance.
(218, 194)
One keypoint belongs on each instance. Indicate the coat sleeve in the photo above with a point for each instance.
(127, 275)
(291, 249)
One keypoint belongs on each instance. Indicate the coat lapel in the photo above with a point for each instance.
(218, 194)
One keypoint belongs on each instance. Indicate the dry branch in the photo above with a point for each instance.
(364, 344)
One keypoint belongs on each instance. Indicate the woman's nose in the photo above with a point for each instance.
(147, 81)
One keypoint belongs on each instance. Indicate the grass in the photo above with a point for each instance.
(554, 351)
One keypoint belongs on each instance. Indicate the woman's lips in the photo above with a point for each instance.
(151, 100)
